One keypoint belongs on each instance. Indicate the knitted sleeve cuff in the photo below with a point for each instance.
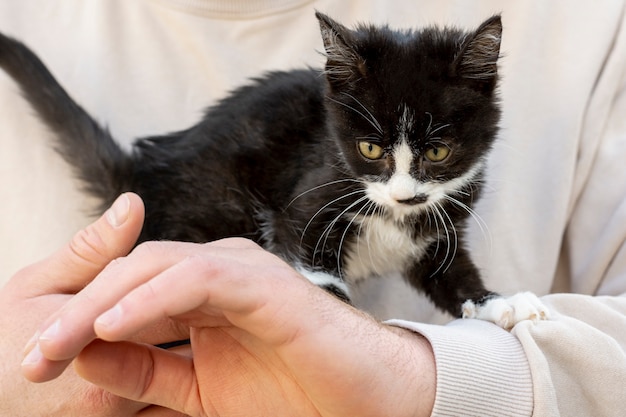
(482, 369)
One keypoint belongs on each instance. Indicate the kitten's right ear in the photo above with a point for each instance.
(343, 64)
(479, 52)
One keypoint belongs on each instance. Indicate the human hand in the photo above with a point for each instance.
(39, 290)
(265, 341)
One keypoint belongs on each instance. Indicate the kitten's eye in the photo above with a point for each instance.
(370, 150)
(437, 154)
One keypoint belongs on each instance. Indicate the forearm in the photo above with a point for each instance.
(398, 365)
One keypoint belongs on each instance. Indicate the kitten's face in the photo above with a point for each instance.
(414, 113)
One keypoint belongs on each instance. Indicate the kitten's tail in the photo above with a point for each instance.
(97, 159)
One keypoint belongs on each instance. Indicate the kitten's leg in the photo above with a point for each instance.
(506, 312)
(457, 288)
(448, 282)
(328, 282)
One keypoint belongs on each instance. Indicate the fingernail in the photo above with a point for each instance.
(119, 211)
(51, 332)
(33, 357)
(111, 317)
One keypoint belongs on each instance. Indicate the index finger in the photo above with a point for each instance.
(68, 330)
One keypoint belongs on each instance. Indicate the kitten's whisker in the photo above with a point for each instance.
(326, 232)
(378, 211)
(437, 215)
(318, 187)
(371, 136)
(430, 209)
(323, 208)
(373, 119)
(463, 193)
(328, 228)
(343, 236)
(374, 123)
(430, 123)
(430, 222)
(437, 208)
(370, 206)
(456, 238)
(437, 129)
(353, 109)
(482, 224)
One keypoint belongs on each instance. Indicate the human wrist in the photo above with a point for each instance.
(379, 369)
(415, 354)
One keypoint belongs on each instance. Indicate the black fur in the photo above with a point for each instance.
(277, 160)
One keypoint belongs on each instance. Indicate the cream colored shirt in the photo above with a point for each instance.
(555, 200)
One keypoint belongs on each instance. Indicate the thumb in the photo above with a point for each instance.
(113, 235)
(150, 375)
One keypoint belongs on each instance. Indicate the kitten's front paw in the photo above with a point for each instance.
(506, 312)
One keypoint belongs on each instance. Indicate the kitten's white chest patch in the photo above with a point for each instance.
(382, 247)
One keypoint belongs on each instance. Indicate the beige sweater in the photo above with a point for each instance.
(555, 205)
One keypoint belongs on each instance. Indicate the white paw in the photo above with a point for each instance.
(506, 312)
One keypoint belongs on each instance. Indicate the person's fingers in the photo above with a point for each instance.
(180, 290)
(76, 264)
(67, 331)
(174, 278)
(71, 328)
(90, 250)
(184, 264)
(147, 372)
(217, 287)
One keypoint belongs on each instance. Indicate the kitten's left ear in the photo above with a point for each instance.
(478, 55)
(343, 64)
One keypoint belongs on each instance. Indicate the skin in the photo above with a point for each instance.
(264, 341)
(37, 291)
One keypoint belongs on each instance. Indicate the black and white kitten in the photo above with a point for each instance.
(366, 168)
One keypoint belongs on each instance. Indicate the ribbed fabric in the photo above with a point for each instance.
(482, 370)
